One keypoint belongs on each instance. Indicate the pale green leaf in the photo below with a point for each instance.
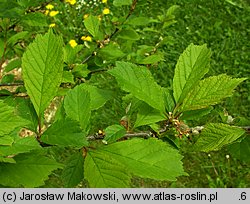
(18, 36)
(7, 160)
(102, 171)
(114, 132)
(168, 99)
(20, 145)
(68, 77)
(65, 133)
(30, 170)
(216, 135)
(140, 82)
(122, 2)
(241, 149)
(8, 120)
(73, 171)
(148, 115)
(196, 114)
(42, 68)
(77, 106)
(98, 97)
(151, 158)
(210, 91)
(192, 65)
(92, 24)
(139, 21)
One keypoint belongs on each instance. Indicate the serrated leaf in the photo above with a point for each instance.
(92, 24)
(65, 133)
(241, 149)
(77, 106)
(102, 171)
(8, 120)
(140, 82)
(149, 158)
(42, 68)
(98, 97)
(210, 91)
(216, 135)
(128, 34)
(122, 2)
(114, 132)
(73, 171)
(20, 145)
(148, 115)
(30, 170)
(192, 65)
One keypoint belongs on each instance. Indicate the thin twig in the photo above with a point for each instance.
(12, 84)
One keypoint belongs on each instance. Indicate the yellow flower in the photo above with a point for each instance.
(46, 12)
(49, 7)
(52, 25)
(86, 38)
(72, 2)
(86, 16)
(106, 11)
(53, 13)
(104, 1)
(73, 43)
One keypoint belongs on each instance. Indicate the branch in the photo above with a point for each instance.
(12, 84)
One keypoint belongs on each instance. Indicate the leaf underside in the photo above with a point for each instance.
(216, 135)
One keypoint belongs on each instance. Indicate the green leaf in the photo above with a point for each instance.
(65, 133)
(25, 110)
(168, 99)
(114, 132)
(8, 120)
(139, 21)
(80, 70)
(30, 170)
(35, 19)
(73, 171)
(6, 141)
(68, 77)
(102, 171)
(20, 145)
(192, 65)
(77, 106)
(98, 97)
(122, 2)
(10, 9)
(241, 149)
(152, 59)
(92, 24)
(111, 52)
(16, 63)
(216, 135)
(210, 91)
(42, 68)
(148, 115)
(196, 114)
(15, 38)
(140, 82)
(128, 34)
(70, 53)
(149, 158)
(7, 160)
